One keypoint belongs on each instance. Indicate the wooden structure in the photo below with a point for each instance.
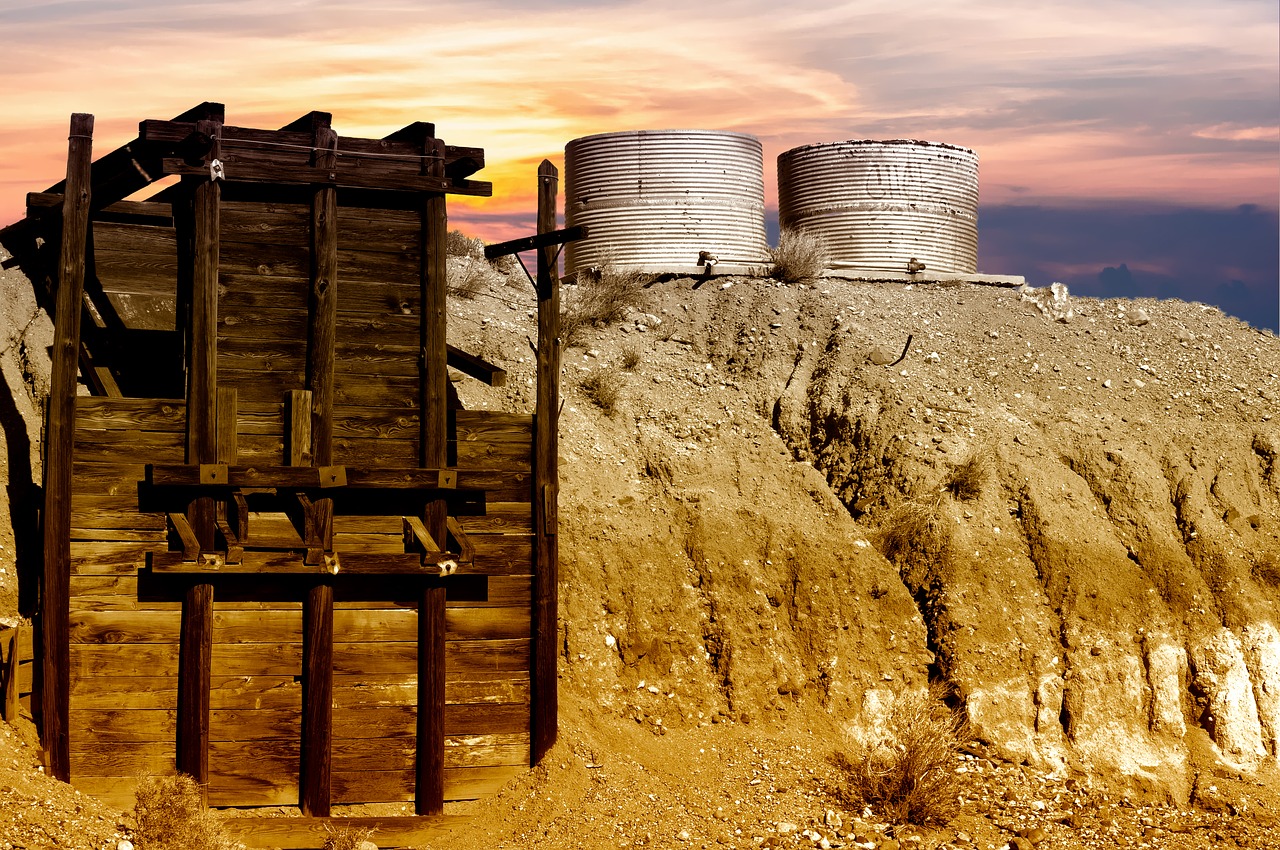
(279, 556)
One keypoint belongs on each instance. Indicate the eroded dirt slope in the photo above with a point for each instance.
(1106, 603)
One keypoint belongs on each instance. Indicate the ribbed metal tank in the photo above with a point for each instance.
(882, 203)
(657, 199)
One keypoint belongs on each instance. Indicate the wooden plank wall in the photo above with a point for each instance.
(124, 653)
(17, 671)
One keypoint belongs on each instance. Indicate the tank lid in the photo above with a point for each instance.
(625, 133)
(911, 142)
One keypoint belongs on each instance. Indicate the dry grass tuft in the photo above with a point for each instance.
(1266, 569)
(915, 531)
(630, 358)
(800, 256)
(602, 296)
(344, 837)
(604, 387)
(908, 773)
(171, 815)
(966, 479)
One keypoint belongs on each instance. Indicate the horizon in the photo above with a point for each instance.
(1125, 150)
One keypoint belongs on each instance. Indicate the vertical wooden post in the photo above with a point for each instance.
(545, 695)
(196, 648)
(433, 452)
(59, 440)
(317, 643)
(317, 700)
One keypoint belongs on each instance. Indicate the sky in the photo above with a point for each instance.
(1127, 147)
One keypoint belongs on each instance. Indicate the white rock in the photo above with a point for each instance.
(124, 844)
(684, 835)
(1220, 672)
(1261, 645)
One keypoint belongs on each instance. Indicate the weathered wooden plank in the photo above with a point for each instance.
(130, 414)
(90, 661)
(255, 724)
(94, 511)
(254, 773)
(128, 446)
(136, 259)
(312, 832)
(96, 757)
(500, 518)
(460, 751)
(110, 558)
(118, 792)
(108, 479)
(123, 725)
(188, 475)
(460, 624)
(254, 168)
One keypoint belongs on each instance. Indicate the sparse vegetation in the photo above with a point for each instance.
(966, 479)
(1266, 569)
(800, 255)
(601, 297)
(459, 244)
(907, 773)
(345, 837)
(469, 272)
(915, 531)
(171, 815)
(604, 388)
(630, 358)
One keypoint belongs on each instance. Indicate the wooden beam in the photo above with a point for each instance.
(429, 786)
(355, 477)
(545, 700)
(195, 662)
(432, 452)
(196, 643)
(317, 701)
(343, 175)
(540, 240)
(475, 367)
(59, 442)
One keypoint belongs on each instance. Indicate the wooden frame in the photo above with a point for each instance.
(278, 554)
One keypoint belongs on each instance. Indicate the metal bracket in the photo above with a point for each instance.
(216, 171)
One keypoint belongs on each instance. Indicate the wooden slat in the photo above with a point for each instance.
(60, 435)
(131, 414)
(92, 757)
(123, 725)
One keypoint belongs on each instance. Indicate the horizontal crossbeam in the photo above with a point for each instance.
(540, 240)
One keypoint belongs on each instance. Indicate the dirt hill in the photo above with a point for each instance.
(772, 529)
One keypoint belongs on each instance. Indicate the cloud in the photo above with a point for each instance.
(1224, 257)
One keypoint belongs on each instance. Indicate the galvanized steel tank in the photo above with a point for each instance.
(658, 199)
(882, 203)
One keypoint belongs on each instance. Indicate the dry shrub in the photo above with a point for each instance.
(604, 387)
(344, 837)
(630, 358)
(915, 532)
(459, 244)
(907, 773)
(468, 277)
(171, 815)
(602, 296)
(966, 479)
(800, 255)
(1266, 569)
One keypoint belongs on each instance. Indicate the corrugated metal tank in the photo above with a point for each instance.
(881, 203)
(658, 198)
